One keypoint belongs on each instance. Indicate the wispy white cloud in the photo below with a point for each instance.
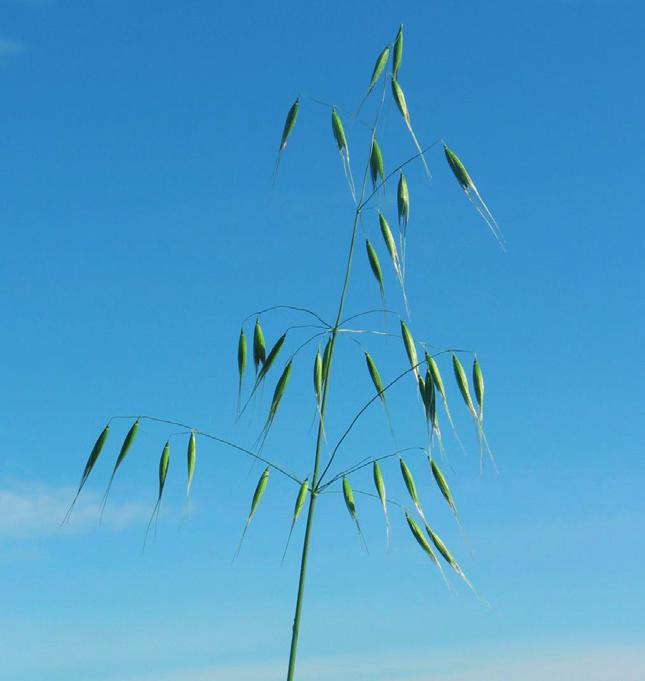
(35, 510)
(596, 663)
(10, 48)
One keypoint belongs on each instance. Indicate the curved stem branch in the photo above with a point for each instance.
(215, 438)
(287, 307)
(368, 462)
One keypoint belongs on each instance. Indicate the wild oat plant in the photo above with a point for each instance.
(423, 358)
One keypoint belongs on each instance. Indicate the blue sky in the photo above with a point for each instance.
(140, 226)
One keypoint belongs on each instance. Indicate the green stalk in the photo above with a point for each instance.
(319, 442)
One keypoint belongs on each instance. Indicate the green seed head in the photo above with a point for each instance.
(397, 57)
(458, 168)
(478, 382)
(348, 495)
(259, 491)
(379, 483)
(259, 347)
(377, 169)
(409, 482)
(462, 383)
(271, 357)
(374, 374)
(289, 123)
(127, 443)
(403, 201)
(94, 454)
(280, 387)
(318, 376)
(399, 98)
(300, 499)
(421, 540)
(164, 462)
(339, 131)
(381, 61)
(241, 353)
(388, 238)
(326, 356)
(442, 484)
(375, 265)
(436, 375)
(191, 457)
(410, 347)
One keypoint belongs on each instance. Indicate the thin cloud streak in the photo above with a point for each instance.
(578, 664)
(35, 509)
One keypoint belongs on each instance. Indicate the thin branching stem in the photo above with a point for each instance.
(215, 438)
(382, 310)
(368, 462)
(367, 494)
(295, 308)
(321, 437)
(362, 410)
(391, 174)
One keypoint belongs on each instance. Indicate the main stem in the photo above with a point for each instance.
(319, 441)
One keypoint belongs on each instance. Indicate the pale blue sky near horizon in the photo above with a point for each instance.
(141, 225)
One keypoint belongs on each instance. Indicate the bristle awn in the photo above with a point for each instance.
(348, 495)
(125, 447)
(424, 544)
(241, 365)
(191, 458)
(443, 486)
(379, 483)
(410, 349)
(375, 266)
(259, 346)
(91, 461)
(471, 191)
(488, 218)
(278, 393)
(377, 169)
(447, 556)
(488, 449)
(378, 384)
(437, 432)
(399, 98)
(164, 462)
(343, 149)
(257, 497)
(411, 487)
(289, 124)
(397, 56)
(300, 502)
(403, 209)
(388, 238)
(379, 65)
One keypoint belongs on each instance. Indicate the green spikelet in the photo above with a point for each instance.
(397, 56)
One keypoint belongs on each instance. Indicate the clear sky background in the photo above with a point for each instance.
(139, 226)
